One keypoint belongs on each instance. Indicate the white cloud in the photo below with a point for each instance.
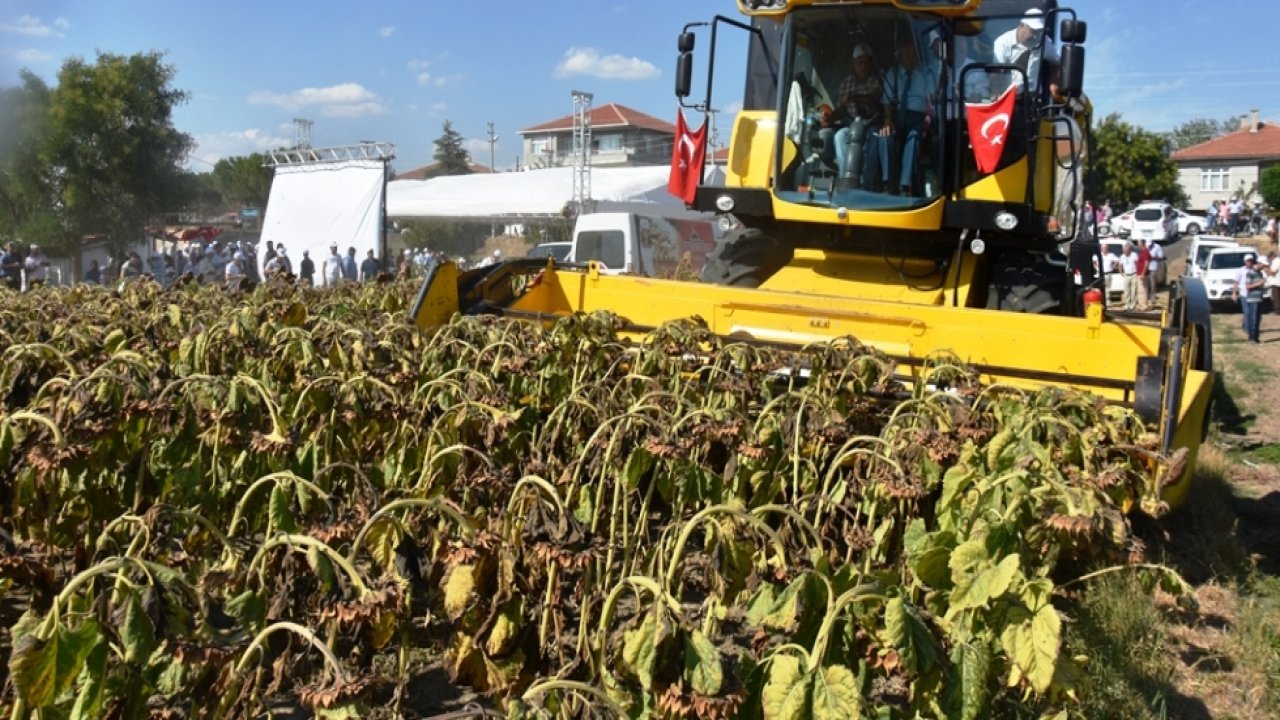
(32, 26)
(28, 56)
(387, 31)
(478, 148)
(345, 100)
(212, 147)
(424, 78)
(417, 66)
(439, 107)
(61, 23)
(588, 61)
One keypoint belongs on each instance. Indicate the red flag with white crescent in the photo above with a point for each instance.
(686, 159)
(989, 129)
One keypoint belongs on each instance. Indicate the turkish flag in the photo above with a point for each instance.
(989, 129)
(686, 159)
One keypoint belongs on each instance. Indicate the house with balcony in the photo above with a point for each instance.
(1230, 165)
(620, 137)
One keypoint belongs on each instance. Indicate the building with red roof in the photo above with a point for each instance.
(1230, 165)
(620, 137)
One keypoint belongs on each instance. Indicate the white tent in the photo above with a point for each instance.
(535, 193)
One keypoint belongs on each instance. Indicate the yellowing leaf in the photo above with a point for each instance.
(640, 649)
(1033, 644)
(382, 629)
(44, 669)
(382, 540)
(504, 630)
(836, 695)
(776, 612)
(457, 590)
(786, 692)
(990, 583)
(968, 691)
(702, 669)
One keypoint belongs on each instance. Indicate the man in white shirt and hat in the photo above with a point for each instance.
(333, 267)
(36, 266)
(1024, 46)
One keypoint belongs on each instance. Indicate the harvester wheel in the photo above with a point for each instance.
(745, 258)
(1024, 289)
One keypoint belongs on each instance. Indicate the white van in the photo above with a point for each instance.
(1155, 222)
(648, 245)
(1222, 269)
(1198, 252)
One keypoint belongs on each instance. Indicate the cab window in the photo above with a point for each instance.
(605, 246)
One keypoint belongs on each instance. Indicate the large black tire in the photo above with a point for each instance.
(745, 258)
(1025, 289)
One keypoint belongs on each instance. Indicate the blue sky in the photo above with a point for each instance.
(395, 71)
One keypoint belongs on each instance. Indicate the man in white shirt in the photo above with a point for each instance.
(333, 267)
(1129, 267)
(37, 267)
(907, 91)
(1153, 265)
(1273, 280)
(1024, 46)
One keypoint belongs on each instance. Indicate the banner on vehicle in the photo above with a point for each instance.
(686, 159)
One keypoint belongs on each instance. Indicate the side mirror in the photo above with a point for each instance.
(684, 73)
(685, 43)
(1072, 80)
(1074, 31)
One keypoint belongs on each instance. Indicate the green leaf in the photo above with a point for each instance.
(702, 667)
(990, 583)
(44, 669)
(931, 568)
(905, 631)
(640, 462)
(780, 612)
(836, 695)
(457, 590)
(136, 632)
(280, 511)
(786, 692)
(1032, 645)
(640, 648)
(968, 692)
(175, 315)
(322, 566)
(93, 682)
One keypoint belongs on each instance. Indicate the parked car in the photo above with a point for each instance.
(1221, 270)
(1189, 224)
(1199, 250)
(1155, 222)
(555, 250)
(1121, 225)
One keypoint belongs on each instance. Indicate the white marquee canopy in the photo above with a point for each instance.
(534, 193)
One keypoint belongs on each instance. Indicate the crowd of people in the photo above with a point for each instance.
(1140, 263)
(229, 263)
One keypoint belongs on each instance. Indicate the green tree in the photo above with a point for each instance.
(26, 191)
(1128, 164)
(113, 151)
(200, 194)
(243, 180)
(1194, 132)
(451, 157)
(1269, 186)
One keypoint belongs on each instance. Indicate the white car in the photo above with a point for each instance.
(1155, 222)
(1221, 271)
(1198, 252)
(1122, 224)
(1189, 224)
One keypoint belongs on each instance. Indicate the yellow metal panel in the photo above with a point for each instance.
(870, 277)
(1006, 185)
(924, 218)
(1196, 393)
(1034, 343)
(441, 300)
(1045, 169)
(751, 149)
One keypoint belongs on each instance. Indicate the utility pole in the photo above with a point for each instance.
(492, 140)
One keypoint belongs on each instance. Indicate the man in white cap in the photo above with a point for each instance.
(1248, 292)
(37, 267)
(1024, 46)
(860, 108)
(333, 267)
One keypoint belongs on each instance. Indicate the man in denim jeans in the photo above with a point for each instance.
(1250, 285)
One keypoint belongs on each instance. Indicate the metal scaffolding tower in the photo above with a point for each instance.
(582, 149)
(302, 133)
(385, 152)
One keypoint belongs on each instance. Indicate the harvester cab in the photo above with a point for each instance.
(907, 173)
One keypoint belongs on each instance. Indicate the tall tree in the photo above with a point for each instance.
(26, 194)
(1269, 186)
(1194, 132)
(243, 180)
(113, 150)
(1128, 164)
(451, 157)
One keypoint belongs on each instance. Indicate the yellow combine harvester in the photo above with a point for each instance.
(907, 173)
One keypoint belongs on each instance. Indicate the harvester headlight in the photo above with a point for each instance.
(1006, 221)
(724, 203)
(977, 246)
